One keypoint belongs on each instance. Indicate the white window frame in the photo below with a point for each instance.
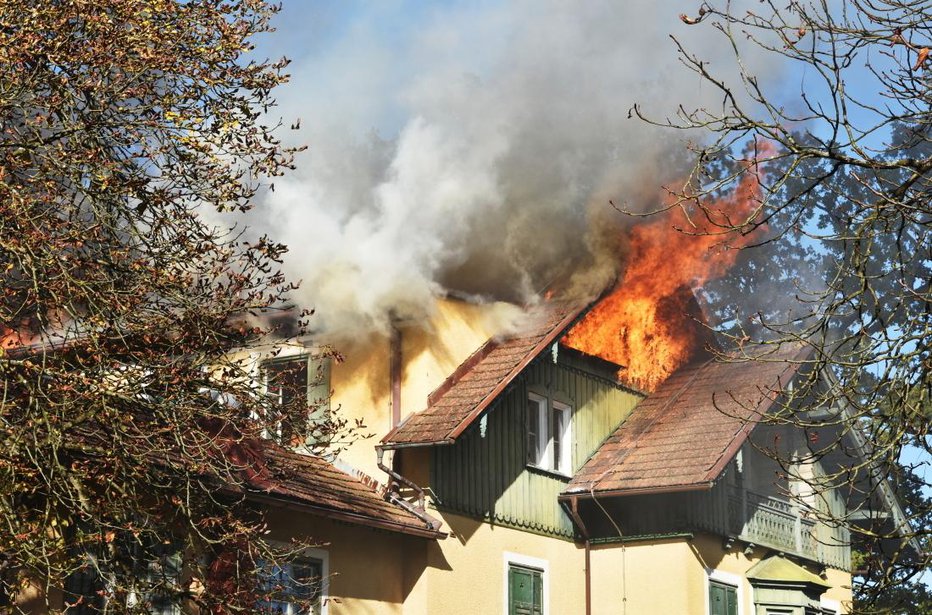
(724, 578)
(544, 433)
(323, 557)
(526, 561)
(566, 438)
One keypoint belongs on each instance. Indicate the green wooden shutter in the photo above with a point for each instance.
(318, 400)
(525, 591)
(723, 599)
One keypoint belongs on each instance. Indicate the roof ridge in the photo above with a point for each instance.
(546, 340)
(790, 369)
(359, 475)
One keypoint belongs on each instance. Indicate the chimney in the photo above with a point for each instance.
(395, 367)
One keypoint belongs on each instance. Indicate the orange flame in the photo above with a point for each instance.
(649, 323)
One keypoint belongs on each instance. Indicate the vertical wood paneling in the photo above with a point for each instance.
(487, 477)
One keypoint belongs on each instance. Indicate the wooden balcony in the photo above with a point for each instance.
(785, 526)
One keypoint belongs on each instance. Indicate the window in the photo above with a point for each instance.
(526, 591)
(830, 607)
(84, 590)
(153, 582)
(723, 599)
(159, 576)
(297, 588)
(300, 387)
(549, 444)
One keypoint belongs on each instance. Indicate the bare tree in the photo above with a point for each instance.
(128, 436)
(841, 260)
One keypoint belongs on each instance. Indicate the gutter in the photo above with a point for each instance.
(395, 445)
(581, 491)
(349, 517)
(418, 511)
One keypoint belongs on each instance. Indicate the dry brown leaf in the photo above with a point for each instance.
(923, 54)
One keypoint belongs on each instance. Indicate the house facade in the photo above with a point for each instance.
(495, 470)
(553, 476)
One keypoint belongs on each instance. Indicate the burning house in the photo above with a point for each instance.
(592, 455)
(577, 455)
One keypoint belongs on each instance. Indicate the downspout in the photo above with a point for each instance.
(419, 510)
(395, 367)
(574, 513)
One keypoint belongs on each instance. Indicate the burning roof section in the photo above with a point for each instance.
(681, 437)
(482, 377)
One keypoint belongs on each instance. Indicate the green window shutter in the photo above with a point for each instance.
(525, 591)
(732, 605)
(723, 599)
(318, 399)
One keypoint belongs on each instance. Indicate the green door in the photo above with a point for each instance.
(723, 599)
(525, 591)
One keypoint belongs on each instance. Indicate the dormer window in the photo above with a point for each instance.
(548, 434)
(300, 387)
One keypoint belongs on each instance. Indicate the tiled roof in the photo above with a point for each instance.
(683, 435)
(316, 483)
(482, 377)
(267, 472)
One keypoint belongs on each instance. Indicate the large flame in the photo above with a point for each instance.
(649, 323)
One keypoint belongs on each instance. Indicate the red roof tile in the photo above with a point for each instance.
(482, 377)
(683, 435)
(265, 471)
(317, 484)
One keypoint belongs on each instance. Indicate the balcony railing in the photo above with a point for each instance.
(782, 525)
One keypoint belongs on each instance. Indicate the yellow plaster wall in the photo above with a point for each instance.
(361, 378)
(431, 351)
(709, 551)
(657, 577)
(369, 568)
(466, 572)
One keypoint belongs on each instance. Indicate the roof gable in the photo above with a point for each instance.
(477, 382)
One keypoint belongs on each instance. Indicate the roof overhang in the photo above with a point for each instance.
(272, 499)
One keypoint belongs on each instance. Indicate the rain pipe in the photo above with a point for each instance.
(418, 511)
(574, 513)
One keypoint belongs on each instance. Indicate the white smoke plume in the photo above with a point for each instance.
(470, 149)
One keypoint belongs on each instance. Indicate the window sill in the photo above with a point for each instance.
(551, 473)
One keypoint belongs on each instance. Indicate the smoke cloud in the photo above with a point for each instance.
(472, 150)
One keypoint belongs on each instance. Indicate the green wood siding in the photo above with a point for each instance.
(484, 474)
(727, 509)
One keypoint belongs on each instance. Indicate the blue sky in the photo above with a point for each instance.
(469, 146)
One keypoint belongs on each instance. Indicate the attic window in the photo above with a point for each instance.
(548, 434)
(300, 388)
